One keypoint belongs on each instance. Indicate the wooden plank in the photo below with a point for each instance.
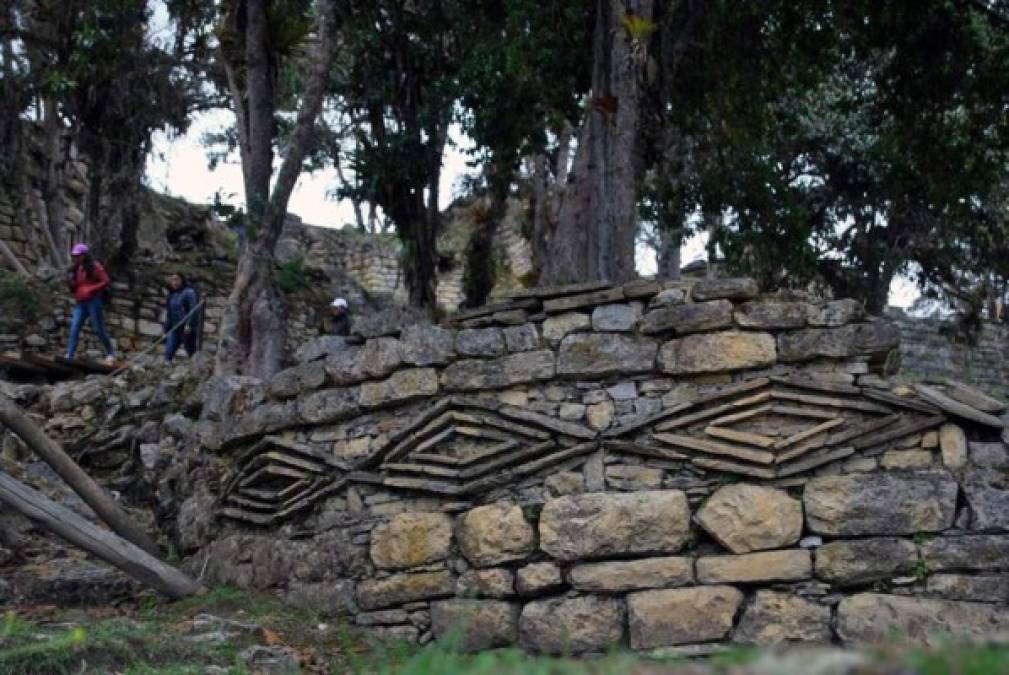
(746, 437)
(829, 401)
(955, 408)
(808, 433)
(713, 448)
(113, 549)
(733, 467)
(815, 461)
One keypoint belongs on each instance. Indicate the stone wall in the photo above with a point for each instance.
(934, 348)
(671, 468)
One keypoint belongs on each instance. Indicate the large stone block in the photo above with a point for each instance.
(556, 327)
(472, 625)
(593, 354)
(835, 312)
(681, 616)
(861, 561)
(630, 575)
(293, 381)
(717, 352)
(697, 316)
(987, 492)
(781, 618)
(605, 524)
(788, 565)
(402, 588)
(494, 534)
(880, 503)
(858, 339)
(992, 588)
(426, 345)
(619, 318)
(411, 539)
(771, 315)
(329, 405)
(953, 445)
(496, 582)
(480, 342)
(741, 288)
(538, 579)
(982, 552)
(402, 386)
(376, 358)
(746, 518)
(572, 625)
(473, 374)
(874, 618)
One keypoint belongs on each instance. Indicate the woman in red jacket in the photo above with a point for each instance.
(88, 279)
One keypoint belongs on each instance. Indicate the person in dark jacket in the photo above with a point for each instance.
(181, 308)
(88, 281)
(338, 322)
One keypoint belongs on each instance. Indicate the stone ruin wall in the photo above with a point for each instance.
(671, 468)
(933, 348)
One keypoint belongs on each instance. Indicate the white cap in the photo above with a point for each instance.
(339, 302)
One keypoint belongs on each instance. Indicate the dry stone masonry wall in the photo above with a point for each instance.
(668, 467)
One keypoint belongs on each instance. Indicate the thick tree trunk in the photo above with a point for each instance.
(254, 323)
(597, 223)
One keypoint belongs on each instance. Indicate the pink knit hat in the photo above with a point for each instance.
(79, 249)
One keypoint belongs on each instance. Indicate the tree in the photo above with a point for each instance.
(255, 36)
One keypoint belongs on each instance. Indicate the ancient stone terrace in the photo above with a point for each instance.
(670, 467)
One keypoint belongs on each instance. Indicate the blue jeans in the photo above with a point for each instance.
(176, 339)
(92, 311)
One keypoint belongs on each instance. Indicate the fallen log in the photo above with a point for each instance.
(103, 544)
(91, 492)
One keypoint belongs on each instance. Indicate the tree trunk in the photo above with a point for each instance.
(712, 223)
(254, 322)
(128, 557)
(668, 255)
(91, 492)
(597, 222)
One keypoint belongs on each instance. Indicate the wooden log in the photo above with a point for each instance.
(103, 544)
(91, 492)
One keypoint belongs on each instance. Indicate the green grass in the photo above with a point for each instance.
(155, 638)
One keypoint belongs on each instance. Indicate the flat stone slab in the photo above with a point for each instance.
(594, 354)
(399, 589)
(861, 561)
(597, 525)
(717, 352)
(880, 503)
(475, 625)
(764, 566)
(875, 618)
(411, 540)
(782, 618)
(681, 616)
(572, 625)
(631, 575)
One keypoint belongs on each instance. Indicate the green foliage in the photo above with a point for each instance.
(19, 302)
(638, 28)
(292, 277)
(921, 570)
